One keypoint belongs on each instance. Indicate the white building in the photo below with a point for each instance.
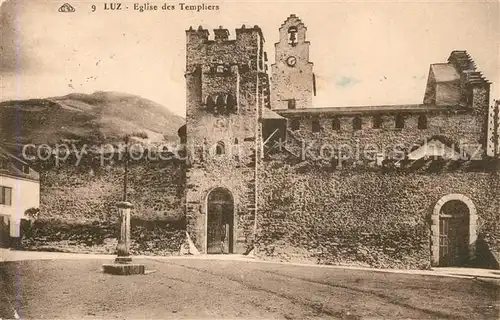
(19, 191)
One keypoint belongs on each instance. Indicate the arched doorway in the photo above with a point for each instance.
(453, 234)
(220, 220)
(453, 231)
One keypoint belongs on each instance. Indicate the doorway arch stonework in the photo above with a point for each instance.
(435, 225)
(225, 200)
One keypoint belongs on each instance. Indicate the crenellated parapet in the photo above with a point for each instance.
(221, 52)
(222, 34)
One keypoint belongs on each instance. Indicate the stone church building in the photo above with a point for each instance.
(270, 173)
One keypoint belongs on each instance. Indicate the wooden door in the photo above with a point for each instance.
(220, 222)
(454, 234)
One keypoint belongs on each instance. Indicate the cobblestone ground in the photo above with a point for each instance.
(220, 289)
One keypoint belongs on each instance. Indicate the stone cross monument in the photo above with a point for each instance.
(123, 263)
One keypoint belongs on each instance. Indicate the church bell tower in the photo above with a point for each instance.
(292, 80)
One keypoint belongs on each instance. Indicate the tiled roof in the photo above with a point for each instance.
(11, 165)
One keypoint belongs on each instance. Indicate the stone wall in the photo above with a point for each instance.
(78, 200)
(148, 237)
(370, 218)
(463, 129)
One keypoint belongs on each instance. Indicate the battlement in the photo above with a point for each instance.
(201, 35)
(220, 52)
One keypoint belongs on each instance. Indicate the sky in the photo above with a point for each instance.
(364, 52)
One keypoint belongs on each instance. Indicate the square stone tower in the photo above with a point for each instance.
(226, 85)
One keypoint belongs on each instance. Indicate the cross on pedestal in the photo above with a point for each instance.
(123, 262)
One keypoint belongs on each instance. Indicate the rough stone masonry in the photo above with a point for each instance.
(399, 204)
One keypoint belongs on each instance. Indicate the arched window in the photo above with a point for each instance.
(422, 121)
(294, 125)
(210, 104)
(292, 35)
(377, 122)
(220, 100)
(356, 123)
(336, 124)
(400, 121)
(220, 148)
(219, 104)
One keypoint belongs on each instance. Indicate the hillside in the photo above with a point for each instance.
(101, 117)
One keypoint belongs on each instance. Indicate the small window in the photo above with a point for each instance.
(316, 126)
(422, 121)
(356, 123)
(400, 121)
(336, 124)
(26, 169)
(294, 125)
(377, 122)
(5, 196)
(220, 148)
(291, 104)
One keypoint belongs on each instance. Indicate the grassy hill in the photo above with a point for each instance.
(101, 117)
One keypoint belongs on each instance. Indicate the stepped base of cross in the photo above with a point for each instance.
(124, 269)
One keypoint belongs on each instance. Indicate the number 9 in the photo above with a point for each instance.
(93, 7)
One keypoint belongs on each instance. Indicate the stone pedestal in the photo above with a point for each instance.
(124, 269)
(124, 240)
(123, 263)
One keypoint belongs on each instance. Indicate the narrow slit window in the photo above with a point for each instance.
(316, 127)
(356, 123)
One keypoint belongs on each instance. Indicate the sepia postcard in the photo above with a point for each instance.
(249, 159)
